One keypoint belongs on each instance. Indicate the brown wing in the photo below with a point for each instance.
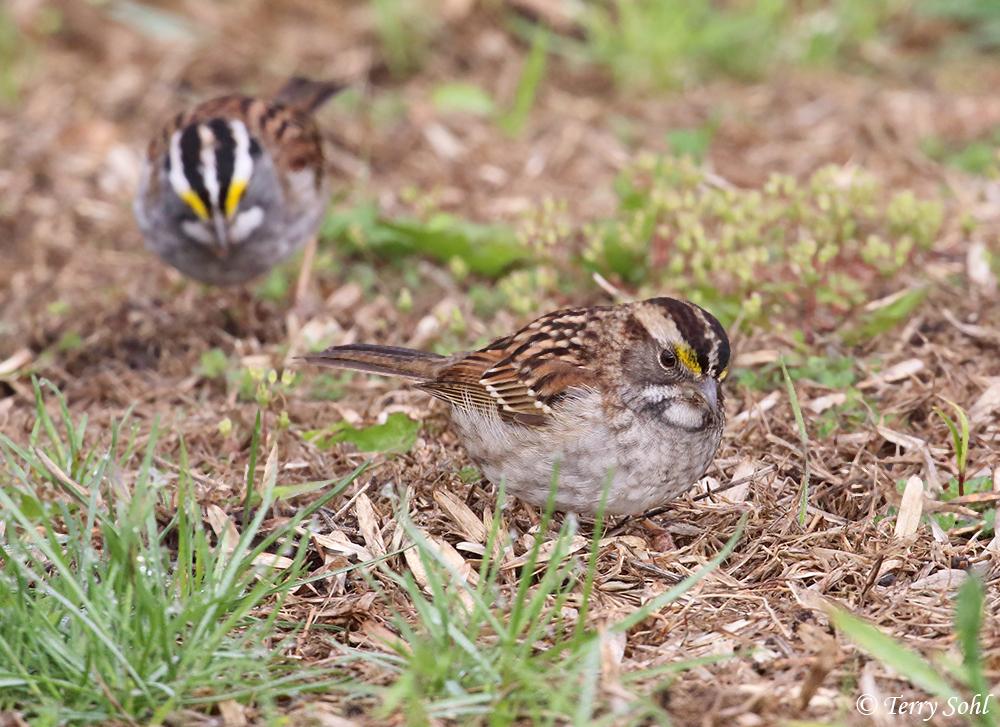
(523, 377)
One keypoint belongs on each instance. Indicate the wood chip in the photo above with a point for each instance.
(743, 471)
(757, 358)
(233, 713)
(337, 542)
(15, 362)
(229, 537)
(375, 634)
(896, 372)
(78, 491)
(888, 300)
(977, 267)
(368, 525)
(757, 410)
(982, 333)
(447, 555)
(987, 406)
(822, 403)
(613, 645)
(468, 524)
(223, 527)
(821, 665)
(910, 509)
(908, 441)
(270, 475)
(947, 579)
(546, 551)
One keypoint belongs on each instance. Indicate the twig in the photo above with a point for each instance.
(606, 285)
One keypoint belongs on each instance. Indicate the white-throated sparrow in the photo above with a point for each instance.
(236, 184)
(629, 392)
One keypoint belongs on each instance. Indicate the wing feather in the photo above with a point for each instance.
(522, 377)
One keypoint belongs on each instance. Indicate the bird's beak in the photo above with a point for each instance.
(709, 389)
(221, 236)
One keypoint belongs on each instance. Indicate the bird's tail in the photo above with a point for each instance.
(385, 360)
(307, 95)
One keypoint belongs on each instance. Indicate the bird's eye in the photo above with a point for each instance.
(668, 359)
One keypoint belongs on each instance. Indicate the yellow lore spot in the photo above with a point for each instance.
(236, 190)
(724, 374)
(687, 356)
(195, 203)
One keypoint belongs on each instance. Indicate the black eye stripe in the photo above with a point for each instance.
(190, 144)
(701, 330)
(225, 157)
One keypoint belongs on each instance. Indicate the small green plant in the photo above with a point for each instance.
(884, 318)
(959, 439)
(124, 587)
(813, 246)
(956, 683)
(833, 372)
(980, 157)
(397, 434)
(275, 285)
(693, 143)
(263, 385)
(213, 364)
(488, 250)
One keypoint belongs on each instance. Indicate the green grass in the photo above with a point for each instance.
(481, 650)
(532, 74)
(657, 44)
(959, 431)
(800, 424)
(118, 602)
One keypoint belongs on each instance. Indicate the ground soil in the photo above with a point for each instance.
(74, 269)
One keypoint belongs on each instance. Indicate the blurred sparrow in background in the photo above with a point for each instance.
(237, 184)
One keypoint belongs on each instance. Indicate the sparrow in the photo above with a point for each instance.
(624, 398)
(236, 184)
